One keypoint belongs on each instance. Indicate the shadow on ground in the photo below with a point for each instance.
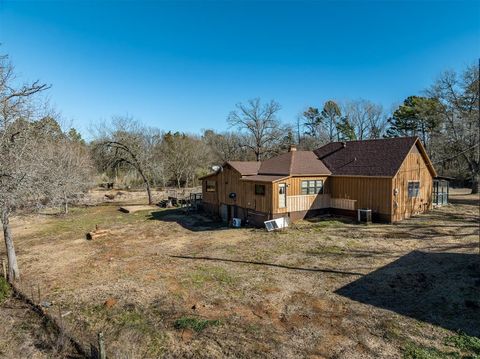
(227, 260)
(329, 218)
(474, 201)
(195, 222)
(438, 288)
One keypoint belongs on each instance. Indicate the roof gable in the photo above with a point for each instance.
(380, 157)
(420, 149)
(245, 168)
(294, 163)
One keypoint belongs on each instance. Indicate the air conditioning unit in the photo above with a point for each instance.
(364, 215)
(278, 223)
(236, 222)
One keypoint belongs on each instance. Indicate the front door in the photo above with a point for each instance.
(282, 195)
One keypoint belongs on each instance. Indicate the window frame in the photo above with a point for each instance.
(312, 189)
(414, 191)
(208, 186)
(258, 186)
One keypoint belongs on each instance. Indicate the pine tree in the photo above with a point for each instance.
(331, 115)
(417, 116)
(345, 130)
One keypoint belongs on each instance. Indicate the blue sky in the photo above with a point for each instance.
(183, 65)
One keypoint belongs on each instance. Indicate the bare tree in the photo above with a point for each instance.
(70, 171)
(366, 118)
(458, 95)
(226, 146)
(124, 143)
(259, 124)
(20, 183)
(185, 155)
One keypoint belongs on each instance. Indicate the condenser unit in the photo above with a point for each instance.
(364, 215)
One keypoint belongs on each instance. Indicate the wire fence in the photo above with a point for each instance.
(90, 346)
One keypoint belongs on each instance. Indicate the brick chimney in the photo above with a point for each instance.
(292, 148)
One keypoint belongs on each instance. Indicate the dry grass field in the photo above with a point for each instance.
(164, 284)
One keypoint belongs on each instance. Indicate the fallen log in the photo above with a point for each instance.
(136, 208)
(99, 233)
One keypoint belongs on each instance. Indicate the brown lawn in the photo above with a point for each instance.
(184, 286)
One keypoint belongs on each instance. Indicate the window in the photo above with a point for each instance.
(260, 189)
(211, 186)
(413, 187)
(312, 187)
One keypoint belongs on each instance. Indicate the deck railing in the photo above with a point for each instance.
(318, 201)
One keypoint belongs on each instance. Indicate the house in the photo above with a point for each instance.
(391, 177)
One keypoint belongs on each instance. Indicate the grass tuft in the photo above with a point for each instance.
(325, 249)
(195, 324)
(5, 290)
(134, 320)
(413, 351)
(204, 275)
(329, 223)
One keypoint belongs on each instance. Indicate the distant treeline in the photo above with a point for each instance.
(445, 117)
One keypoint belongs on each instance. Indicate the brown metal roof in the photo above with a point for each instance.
(263, 178)
(296, 163)
(245, 168)
(381, 157)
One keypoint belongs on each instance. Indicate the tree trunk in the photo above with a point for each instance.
(147, 184)
(475, 184)
(149, 193)
(13, 272)
(65, 203)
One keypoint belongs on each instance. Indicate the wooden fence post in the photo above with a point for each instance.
(101, 346)
(60, 318)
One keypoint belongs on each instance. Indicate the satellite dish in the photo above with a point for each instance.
(216, 168)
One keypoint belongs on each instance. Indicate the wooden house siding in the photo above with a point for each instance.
(229, 181)
(368, 192)
(210, 197)
(414, 168)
